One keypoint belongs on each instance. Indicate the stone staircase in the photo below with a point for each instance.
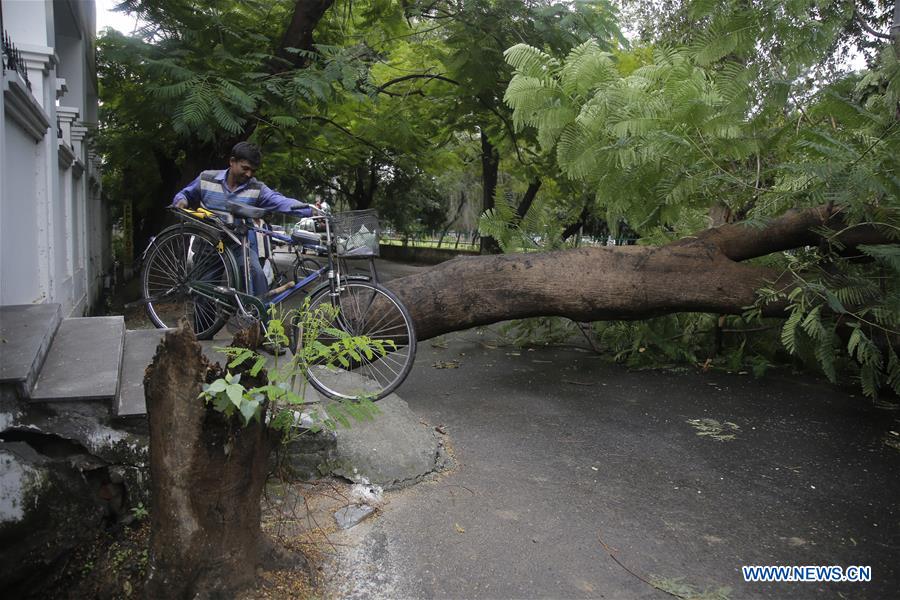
(46, 358)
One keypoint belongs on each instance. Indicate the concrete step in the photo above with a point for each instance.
(26, 332)
(83, 362)
(140, 348)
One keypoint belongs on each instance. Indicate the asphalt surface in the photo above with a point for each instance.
(576, 478)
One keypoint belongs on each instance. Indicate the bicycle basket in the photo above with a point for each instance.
(356, 233)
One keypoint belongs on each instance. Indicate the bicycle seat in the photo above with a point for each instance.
(245, 211)
(300, 236)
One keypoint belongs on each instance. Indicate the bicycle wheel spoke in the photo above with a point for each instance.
(205, 308)
(175, 255)
(169, 263)
(203, 314)
(178, 259)
(366, 309)
(208, 263)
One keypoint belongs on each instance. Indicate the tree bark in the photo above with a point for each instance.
(365, 183)
(528, 198)
(299, 33)
(490, 169)
(207, 476)
(701, 273)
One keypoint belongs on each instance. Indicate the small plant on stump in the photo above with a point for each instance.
(209, 460)
(229, 396)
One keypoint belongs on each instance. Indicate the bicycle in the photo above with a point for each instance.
(190, 271)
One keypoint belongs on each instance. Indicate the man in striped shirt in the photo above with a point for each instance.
(213, 189)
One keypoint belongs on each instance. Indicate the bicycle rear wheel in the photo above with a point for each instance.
(304, 267)
(178, 257)
(364, 309)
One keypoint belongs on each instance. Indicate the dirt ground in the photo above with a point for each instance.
(297, 518)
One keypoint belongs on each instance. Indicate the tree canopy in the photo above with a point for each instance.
(541, 120)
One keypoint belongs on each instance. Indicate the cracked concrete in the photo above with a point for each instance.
(65, 468)
(394, 449)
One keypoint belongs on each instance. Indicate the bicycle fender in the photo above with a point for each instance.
(324, 286)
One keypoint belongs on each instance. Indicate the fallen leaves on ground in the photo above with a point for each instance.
(723, 432)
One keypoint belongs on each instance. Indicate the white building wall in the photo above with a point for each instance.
(53, 246)
(19, 283)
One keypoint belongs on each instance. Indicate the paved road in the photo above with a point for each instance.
(565, 462)
(579, 479)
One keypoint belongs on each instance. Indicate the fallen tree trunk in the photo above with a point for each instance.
(700, 273)
(207, 476)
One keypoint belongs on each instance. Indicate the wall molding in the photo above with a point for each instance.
(66, 156)
(38, 58)
(22, 107)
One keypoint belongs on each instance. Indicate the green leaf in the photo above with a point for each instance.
(235, 394)
(888, 254)
(217, 386)
(833, 302)
(789, 330)
(257, 366)
(284, 121)
(249, 409)
(222, 404)
(240, 358)
(868, 376)
(812, 325)
(824, 352)
(853, 342)
(293, 398)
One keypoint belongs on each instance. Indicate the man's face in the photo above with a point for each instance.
(241, 170)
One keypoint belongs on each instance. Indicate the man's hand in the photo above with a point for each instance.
(302, 207)
(180, 203)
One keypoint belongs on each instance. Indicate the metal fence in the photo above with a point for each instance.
(12, 58)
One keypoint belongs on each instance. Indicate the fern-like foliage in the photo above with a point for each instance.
(660, 135)
(844, 316)
(539, 230)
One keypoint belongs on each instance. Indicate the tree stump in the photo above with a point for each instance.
(207, 478)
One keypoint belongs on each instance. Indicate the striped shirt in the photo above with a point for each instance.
(211, 190)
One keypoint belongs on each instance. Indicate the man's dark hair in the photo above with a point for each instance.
(247, 151)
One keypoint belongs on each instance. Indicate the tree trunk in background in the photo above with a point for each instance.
(895, 32)
(207, 477)
(299, 33)
(701, 273)
(365, 182)
(490, 168)
(528, 198)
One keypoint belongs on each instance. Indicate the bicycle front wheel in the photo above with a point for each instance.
(179, 257)
(364, 309)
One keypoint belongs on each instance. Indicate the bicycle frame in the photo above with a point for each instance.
(193, 272)
(247, 304)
